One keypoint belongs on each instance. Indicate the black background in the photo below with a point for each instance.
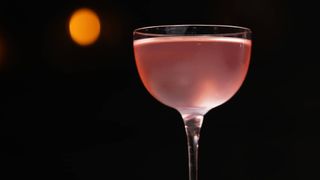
(75, 112)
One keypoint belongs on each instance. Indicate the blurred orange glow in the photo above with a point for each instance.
(84, 26)
(2, 51)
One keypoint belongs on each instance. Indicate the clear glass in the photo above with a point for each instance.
(192, 68)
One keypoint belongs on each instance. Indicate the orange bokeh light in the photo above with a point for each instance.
(84, 26)
(2, 51)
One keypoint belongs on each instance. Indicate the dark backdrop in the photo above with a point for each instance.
(75, 112)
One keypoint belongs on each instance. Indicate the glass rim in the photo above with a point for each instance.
(244, 29)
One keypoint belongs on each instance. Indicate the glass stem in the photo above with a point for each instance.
(193, 125)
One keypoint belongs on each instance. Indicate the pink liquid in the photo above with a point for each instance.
(192, 74)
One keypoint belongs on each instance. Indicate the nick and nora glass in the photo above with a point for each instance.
(192, 68)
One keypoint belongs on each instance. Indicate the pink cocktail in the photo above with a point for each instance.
(192, 74)
(192, 68)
